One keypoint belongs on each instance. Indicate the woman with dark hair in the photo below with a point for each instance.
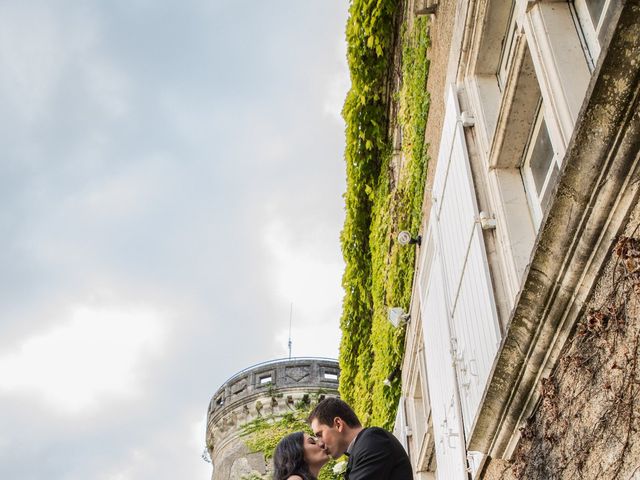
(298, 457)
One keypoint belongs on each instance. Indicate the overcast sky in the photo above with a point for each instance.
(171, 178)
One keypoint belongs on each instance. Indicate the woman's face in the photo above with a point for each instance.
(313, 454)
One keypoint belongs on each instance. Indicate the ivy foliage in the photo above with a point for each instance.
(379, 204)
(369, 35)
(263, 434)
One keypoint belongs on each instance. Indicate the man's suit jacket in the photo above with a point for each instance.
(378, 455)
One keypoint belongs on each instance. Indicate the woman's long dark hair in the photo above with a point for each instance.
(288, 458)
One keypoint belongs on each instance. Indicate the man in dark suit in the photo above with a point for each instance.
(374, 454)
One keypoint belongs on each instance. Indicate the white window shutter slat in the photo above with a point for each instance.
(473, 317)
(440, 373)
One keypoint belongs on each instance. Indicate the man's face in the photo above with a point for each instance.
(331, 437)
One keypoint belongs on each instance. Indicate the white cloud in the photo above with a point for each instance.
(127, 472)
(183, 446)
(299, 273)
(31, 58)
(312, 282)
(337, 86)
(132, 190)
(108, 86)
(142, 141)
(93, 356)
(43, 53)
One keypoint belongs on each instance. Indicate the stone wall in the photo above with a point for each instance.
(596, 191)
(587, 424)
(268, 389)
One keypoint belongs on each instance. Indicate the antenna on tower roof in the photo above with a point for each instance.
(290, 319)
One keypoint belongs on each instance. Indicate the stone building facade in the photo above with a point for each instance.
(534, 134)
(268, 389)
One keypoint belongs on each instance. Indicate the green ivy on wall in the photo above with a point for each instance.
(369, 35)
(263, 434)
(379, 272)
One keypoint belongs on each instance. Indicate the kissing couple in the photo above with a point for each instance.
(373, 453)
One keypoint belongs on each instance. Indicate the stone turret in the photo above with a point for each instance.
(269, 388)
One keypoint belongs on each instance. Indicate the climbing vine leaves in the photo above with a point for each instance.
(384, 196)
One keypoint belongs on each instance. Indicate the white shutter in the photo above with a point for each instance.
(474, 324)
(440, 373)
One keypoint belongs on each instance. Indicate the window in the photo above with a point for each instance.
(496, 35)
(417, 414)
(594, 16)
(540, 167)
(421, 440)
(507, 50)
(264, 380)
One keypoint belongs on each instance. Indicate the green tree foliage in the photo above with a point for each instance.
(378, 271)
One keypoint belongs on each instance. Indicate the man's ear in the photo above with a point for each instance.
(339, 424)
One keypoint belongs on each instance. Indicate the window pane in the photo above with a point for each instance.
(605, 24)
(595, 10)
(547, 191)
(541, 157)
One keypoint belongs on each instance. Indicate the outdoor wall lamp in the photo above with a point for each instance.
(387, 382)
(405, 238)
(397, 316)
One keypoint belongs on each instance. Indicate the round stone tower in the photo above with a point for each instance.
(269, 388)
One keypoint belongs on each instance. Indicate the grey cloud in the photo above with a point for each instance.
(142, 168)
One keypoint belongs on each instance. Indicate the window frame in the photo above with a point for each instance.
(534, 198)
(589, 31)
(507, 52)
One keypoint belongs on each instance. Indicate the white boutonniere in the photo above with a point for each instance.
(340, 467)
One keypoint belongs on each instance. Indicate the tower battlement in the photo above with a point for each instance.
(268, 389)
